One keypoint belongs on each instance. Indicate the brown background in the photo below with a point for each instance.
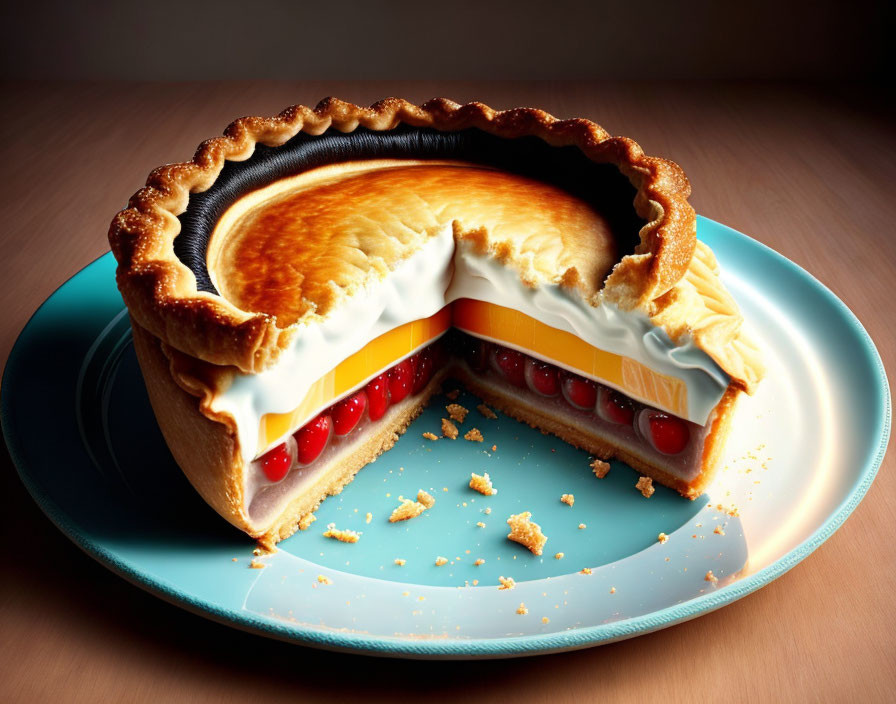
(804, 163)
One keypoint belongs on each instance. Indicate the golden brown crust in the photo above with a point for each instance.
(206, 450)
(161, 292)
(300, 246)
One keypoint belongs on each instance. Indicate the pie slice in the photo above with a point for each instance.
(301, 288)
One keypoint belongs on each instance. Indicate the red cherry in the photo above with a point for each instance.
(542, 377)
(312, 439)
(276, 463)
(579, 391)
(423, 369)
(670, 435)
(616, 407)
(348, 412)
(401, 380)
(377, 396)
(512, 365)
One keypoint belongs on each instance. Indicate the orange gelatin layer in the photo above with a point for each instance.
(352, 372)
(510, 327)
(497, 323)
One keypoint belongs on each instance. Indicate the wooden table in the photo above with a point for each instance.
(807, 170)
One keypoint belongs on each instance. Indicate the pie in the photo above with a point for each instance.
(302, 287)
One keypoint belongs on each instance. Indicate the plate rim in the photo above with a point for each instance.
(460, 648)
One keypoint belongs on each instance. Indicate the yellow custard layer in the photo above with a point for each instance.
(497, 323)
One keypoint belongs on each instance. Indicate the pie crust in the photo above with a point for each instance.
(663, 278)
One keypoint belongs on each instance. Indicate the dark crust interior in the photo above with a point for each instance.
(601, 185)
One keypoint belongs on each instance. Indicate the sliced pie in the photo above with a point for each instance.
(301, 288)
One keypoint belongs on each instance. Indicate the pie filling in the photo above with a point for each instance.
(674, 444)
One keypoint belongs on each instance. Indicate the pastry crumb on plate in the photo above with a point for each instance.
(645, 486)
(526, 532)
(344, 536)
(483, 484)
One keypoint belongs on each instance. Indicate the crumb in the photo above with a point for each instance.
(612, 590)
(525, 532)
(405, 593)
(345, 536)
(234, 559)
(473, 435)
(730, 510)
(487, 510)
(506, 582)
(718, 530)
(323, 579)
(710, 577)
(400, 561)
(558, 556)
(582, 526)
(494, 448)
(568, 499)
(368, 518)
(645, 486)
(444, 488)
(585, 570)
(411, 509)
(306, 520)
(456, 412)
(600, 468)
(480, 524)
(662, 537)
(486, 411)
(545, 619)
(475, 582)
(430, 436)
(441, 561)
(449, 429)
(407, 510)
(482, 484)
(478, 561)
(452, 395)
(256, 565)
(522, 610)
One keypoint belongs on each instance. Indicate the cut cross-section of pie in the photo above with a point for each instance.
(301, 288)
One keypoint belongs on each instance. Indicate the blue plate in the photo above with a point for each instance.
(82, 434)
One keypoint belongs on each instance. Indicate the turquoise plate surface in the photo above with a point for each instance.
(795, 467)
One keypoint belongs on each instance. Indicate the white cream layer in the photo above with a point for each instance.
(443, 271)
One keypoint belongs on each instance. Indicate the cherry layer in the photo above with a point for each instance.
(666, 433)
(408, 377)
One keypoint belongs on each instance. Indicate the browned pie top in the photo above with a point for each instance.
(291, 247)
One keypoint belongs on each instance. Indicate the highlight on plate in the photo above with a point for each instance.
(302, 287)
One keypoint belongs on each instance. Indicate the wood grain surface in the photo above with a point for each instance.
(808, 170)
